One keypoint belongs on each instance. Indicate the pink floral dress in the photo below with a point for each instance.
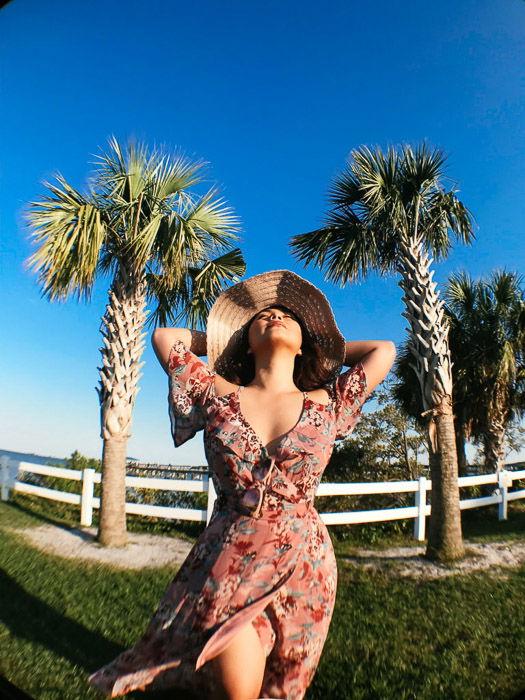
(265, 557)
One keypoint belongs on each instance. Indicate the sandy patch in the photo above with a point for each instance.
(161, 550)
(409, 561)
(80, 543)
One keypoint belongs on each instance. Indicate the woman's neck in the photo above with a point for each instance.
(274, 372)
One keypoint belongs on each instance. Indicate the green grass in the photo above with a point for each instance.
(482, 524)
(459, 637)
(59, 619)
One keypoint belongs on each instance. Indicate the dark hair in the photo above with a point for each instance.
(309, 372)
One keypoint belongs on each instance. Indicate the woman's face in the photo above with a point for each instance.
(275, 326)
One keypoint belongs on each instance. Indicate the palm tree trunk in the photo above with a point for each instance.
(445, 540)
(494, 445)
(460, 445)
(122, 330)
(428, 343)
(112, 522)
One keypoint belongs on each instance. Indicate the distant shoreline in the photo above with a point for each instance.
(131, 461)
(31, 457)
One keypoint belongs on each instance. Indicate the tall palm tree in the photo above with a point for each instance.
(487, 321)
(486, 330)
(390, 210)
(159, 242)
(464, 396)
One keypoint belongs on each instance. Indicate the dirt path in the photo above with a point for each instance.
(80, 543)
(160, 550)
(409, 561)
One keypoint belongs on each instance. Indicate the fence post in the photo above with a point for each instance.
(504, 481)
(421, 505)
(211, 499)
(4, 476)
(86, 500)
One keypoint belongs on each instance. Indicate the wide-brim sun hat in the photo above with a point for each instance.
(238, 304)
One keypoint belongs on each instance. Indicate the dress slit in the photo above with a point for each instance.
(226, 632)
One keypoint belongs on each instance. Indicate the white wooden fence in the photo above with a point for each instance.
(503, 482)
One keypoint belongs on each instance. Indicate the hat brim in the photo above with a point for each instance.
(237, 305)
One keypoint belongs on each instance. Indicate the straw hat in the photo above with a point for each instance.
(238, 304)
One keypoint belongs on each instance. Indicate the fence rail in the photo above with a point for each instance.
(10, 471)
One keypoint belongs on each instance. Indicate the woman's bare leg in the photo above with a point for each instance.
(240, 667)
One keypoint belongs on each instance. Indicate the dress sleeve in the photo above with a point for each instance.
(191, 386)
(350, 395)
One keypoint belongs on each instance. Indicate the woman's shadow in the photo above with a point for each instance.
(28, 617)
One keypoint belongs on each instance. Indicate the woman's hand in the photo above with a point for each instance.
(376, 356)
(163, 340)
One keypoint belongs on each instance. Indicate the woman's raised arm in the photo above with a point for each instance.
(163, 340)
(376, 356)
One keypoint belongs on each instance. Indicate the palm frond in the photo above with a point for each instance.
(380, 200)
(487, 340)
(459, 219)
(140, 215)
(176, 243)
(346, 249)
(213, 219)
(505, 287)
(420, 169)
(362, 242)
(192, 297)
(70, 232)
(139, 245)
(461, 293)
(173, 176)
(403, 389)
(376, 173)
(345, 190)
(208, 282)
(168, 298)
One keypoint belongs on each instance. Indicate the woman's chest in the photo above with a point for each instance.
(270, 417)
(311, 437)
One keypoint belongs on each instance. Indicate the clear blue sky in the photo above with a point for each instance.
(274, 95)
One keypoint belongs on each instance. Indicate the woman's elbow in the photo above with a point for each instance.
(162, 340)
(159, 339)
(155, 336)
(385, 357)
(390, 353)
(391, 348)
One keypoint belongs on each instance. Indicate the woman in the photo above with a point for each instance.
(248, 612)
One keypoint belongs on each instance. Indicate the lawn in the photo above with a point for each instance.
(458, 637)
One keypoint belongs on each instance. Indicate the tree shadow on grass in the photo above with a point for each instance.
(28, 617)
(483, 523)
(36, 514)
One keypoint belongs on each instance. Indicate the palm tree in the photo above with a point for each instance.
(464, 397)
(140, 224)
(389, 211)
(411, 402)
(487, 326)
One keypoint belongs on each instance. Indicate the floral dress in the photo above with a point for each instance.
(265, 558)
